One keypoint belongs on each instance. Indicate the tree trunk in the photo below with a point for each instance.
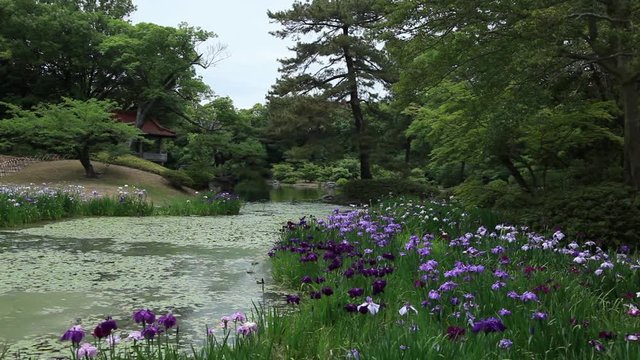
(407, 151)
(85, 160)
(356, 110)
(631, 133)
(513, 170)
(142, 112)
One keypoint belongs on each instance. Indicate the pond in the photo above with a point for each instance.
(200, 268)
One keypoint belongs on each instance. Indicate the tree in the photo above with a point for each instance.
(307, 128)
(73, 127)
(585, 46)
(52, 49)
(158, 64)
(223, 144)
(343, 61)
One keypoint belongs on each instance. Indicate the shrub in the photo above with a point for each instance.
(473, 192)
(605, 213)
(310, 171)
(178, 178)
(200, 175)
(133, 162)
(342, 182)
(368, 190)
(282, 171)
(339, 173)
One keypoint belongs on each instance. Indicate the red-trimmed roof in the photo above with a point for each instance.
(150, 127)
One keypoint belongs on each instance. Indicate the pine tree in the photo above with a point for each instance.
(336, 57)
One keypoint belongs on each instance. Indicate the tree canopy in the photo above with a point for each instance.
(74, 127)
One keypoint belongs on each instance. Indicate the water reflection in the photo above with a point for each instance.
(306, 192)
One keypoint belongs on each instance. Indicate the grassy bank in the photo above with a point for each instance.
(22, 205)
(70, 173)
(411, 280)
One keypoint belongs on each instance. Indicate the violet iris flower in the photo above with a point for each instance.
(75, 334)
(355, 292)
(293, 299)
(247, 328)
(144, 316)
(167, 320)
(378, 286)
(86, 350)
(505, 343)
(488, 325)
(150, 332)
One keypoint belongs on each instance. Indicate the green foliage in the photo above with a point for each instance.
(178, 178)
(307, 171)
(365, 191)
(27, 205)
(282, 171)
(342, 182)
(606, 212)
(132, 161)
(200, 174)
(74, 127)
(310, 171)
(343, 51)
(474, 193)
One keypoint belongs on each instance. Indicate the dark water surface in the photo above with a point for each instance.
(79, 271)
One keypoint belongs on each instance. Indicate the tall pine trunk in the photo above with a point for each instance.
(356, 110)
(631, 106)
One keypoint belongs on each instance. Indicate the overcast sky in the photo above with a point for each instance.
(243, 26)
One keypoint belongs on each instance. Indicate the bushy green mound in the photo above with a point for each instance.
(133, 162)
(364, 191)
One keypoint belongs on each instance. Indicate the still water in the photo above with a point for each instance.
(79, 271)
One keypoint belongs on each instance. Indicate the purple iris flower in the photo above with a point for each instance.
(315, 295)
(355, 292)
(505, 344)
(75, 334)
(150, 332)
(104, 328)
(293, 299)
(378, 286)
(143, 316)
(448, 286)
(528, 296)
(434, 295)
(351, 307)
(349, 273)
(238, 317)
(538, 315)
(488, 325)
(306, 279)
(327, 291)
(504, 312)
(597, 345)
(168, 321)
